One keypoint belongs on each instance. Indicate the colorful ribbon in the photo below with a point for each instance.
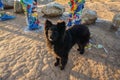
(1, 5)
(29, 7)
(76, 7)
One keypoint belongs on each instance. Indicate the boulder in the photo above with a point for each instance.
(116, 21)
(8, 4)
(2, 12)
(53, 9)
(88, 17)
(18, 7)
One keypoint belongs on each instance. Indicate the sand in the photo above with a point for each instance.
(24, 55)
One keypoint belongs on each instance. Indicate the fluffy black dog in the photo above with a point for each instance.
(60, 40)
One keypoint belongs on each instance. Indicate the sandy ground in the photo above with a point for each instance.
(24, 55)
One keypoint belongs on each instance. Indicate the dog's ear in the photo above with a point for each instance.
(61, 25)
(48, 23)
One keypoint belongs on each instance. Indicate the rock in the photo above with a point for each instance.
(116, 21)
(89, 17)
(18, 7)
(44, 1)
(2, 12)
(8, 4)
(53, 9)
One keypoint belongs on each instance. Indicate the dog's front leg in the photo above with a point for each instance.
(82, 49)
(79, 46)
(63, 62)
(57, 61)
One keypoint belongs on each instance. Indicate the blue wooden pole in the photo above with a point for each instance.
(76, 7)
(31, 14)
(1, 5)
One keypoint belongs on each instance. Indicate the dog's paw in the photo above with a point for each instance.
(62, 68)
(56, 64)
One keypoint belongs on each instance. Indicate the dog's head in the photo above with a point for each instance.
(54, 32)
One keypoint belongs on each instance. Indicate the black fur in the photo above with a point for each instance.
(60, 40)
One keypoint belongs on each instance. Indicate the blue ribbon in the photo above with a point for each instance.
(1, 4)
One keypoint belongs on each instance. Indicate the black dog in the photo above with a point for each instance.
(60, 40)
